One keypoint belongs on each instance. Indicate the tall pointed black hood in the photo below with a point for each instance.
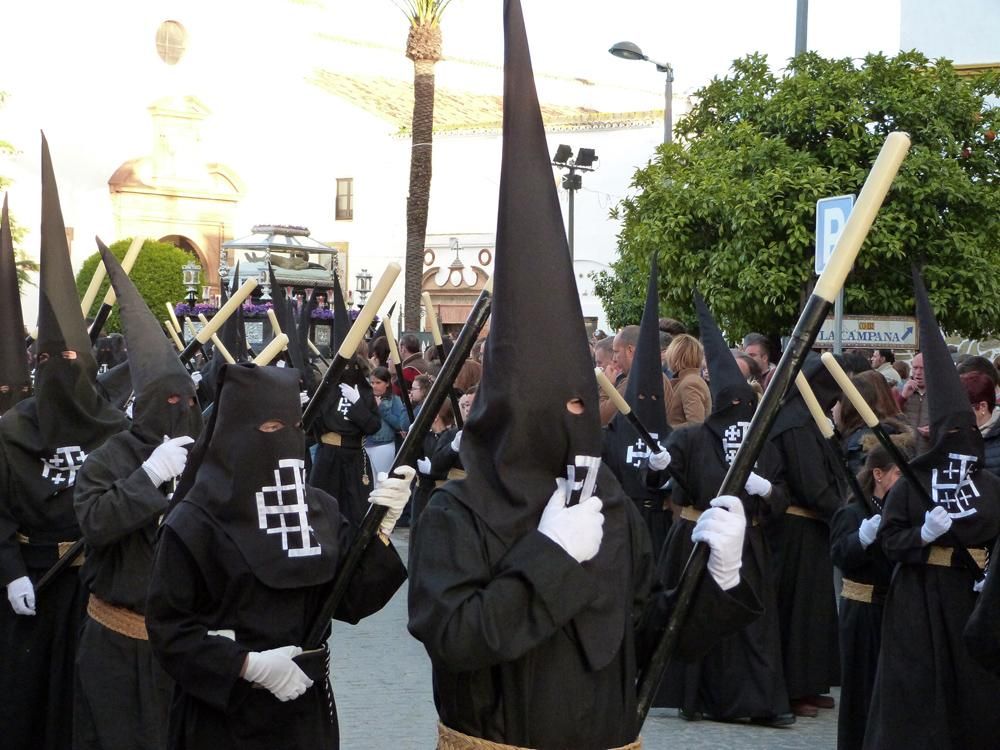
(520, 435)
(952, 422)
(156, 372)
(15, 376)
(624, 449)
(60, 323)
(644, 392)
(725, 380)
(341, 321)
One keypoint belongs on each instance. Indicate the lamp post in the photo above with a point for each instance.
(192, 280)
(363, 286)
(584, 162)
(631, 51)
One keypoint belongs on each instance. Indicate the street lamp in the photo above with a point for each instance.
(192, 280)
(584, 162)
(631, 51)
(363, 285)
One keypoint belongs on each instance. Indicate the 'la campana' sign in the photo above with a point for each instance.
(871, 332)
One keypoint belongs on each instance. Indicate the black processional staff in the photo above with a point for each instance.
(432, 323)
(825, 428)
(411, 449)
(397, 364)
(217, 343)
(169, 328)
(813, 314)
(109, 299)
(869, 417)
(313, 348)
(349, 345)
(230, 307)
(622, 405)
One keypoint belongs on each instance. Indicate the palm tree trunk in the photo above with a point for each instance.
(420, 188)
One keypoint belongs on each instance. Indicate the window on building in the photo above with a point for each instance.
(171, 42)
(345, 199)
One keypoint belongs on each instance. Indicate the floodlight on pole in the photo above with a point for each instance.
(584, 162)
(632, 51)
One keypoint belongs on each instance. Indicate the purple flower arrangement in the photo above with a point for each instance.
(183, 308)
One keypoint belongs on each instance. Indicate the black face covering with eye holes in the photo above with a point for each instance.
(153, 416)
(65, 414)
(251, 484)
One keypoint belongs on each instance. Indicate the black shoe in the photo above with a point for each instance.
(776, 720)
(690, 715)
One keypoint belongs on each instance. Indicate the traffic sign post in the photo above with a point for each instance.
(831, 217)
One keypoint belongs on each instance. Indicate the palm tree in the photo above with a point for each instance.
(24, 265)
(423, 46)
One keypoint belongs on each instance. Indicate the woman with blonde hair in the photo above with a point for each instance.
(692, 401)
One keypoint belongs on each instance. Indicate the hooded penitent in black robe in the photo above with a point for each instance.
(807, 604)
(122, 693)
(929, 690)
(344, 470)
(860, 622)
(625, 452)
(43, 443)
(530, 647)
(499, 621)
(15, 378)
(742, 675)
(230, 558)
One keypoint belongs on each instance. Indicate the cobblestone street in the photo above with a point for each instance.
(382, 681)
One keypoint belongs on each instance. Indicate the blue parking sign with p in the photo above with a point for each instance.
(831, 217)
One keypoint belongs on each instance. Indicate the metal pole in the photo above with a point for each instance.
(838, 324)
(668, 106)
(801, 26)
(569, 230)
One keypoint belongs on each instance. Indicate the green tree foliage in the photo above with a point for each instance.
(157, 275)
(731, 208)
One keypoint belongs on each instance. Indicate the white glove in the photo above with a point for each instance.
(936, 523)
(167, 461)
(274, 669)
(303, 397)
(757, 485)
(196, 377)
(349, 392)
(659, 461)
(978, 585)
(577, 529)
(721, 527)
(393, 493)
(21, 595)
(868, 530)
(457, 442)
(424, 465)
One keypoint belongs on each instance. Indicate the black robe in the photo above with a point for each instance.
(860, 622)
(202, 583)
(643, 486)
(742, 676)
(425, 484)
(122, 694)
(807, 604)
(497, 625)
(342, 470)
(929, 691)
(982, 633)
(39, 651)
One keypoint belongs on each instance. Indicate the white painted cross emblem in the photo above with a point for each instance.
(957, 494)
(296, 511)
(638, 451)
(61, 467)
(732, 439)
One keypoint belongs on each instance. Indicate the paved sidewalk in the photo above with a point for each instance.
(382, 682)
